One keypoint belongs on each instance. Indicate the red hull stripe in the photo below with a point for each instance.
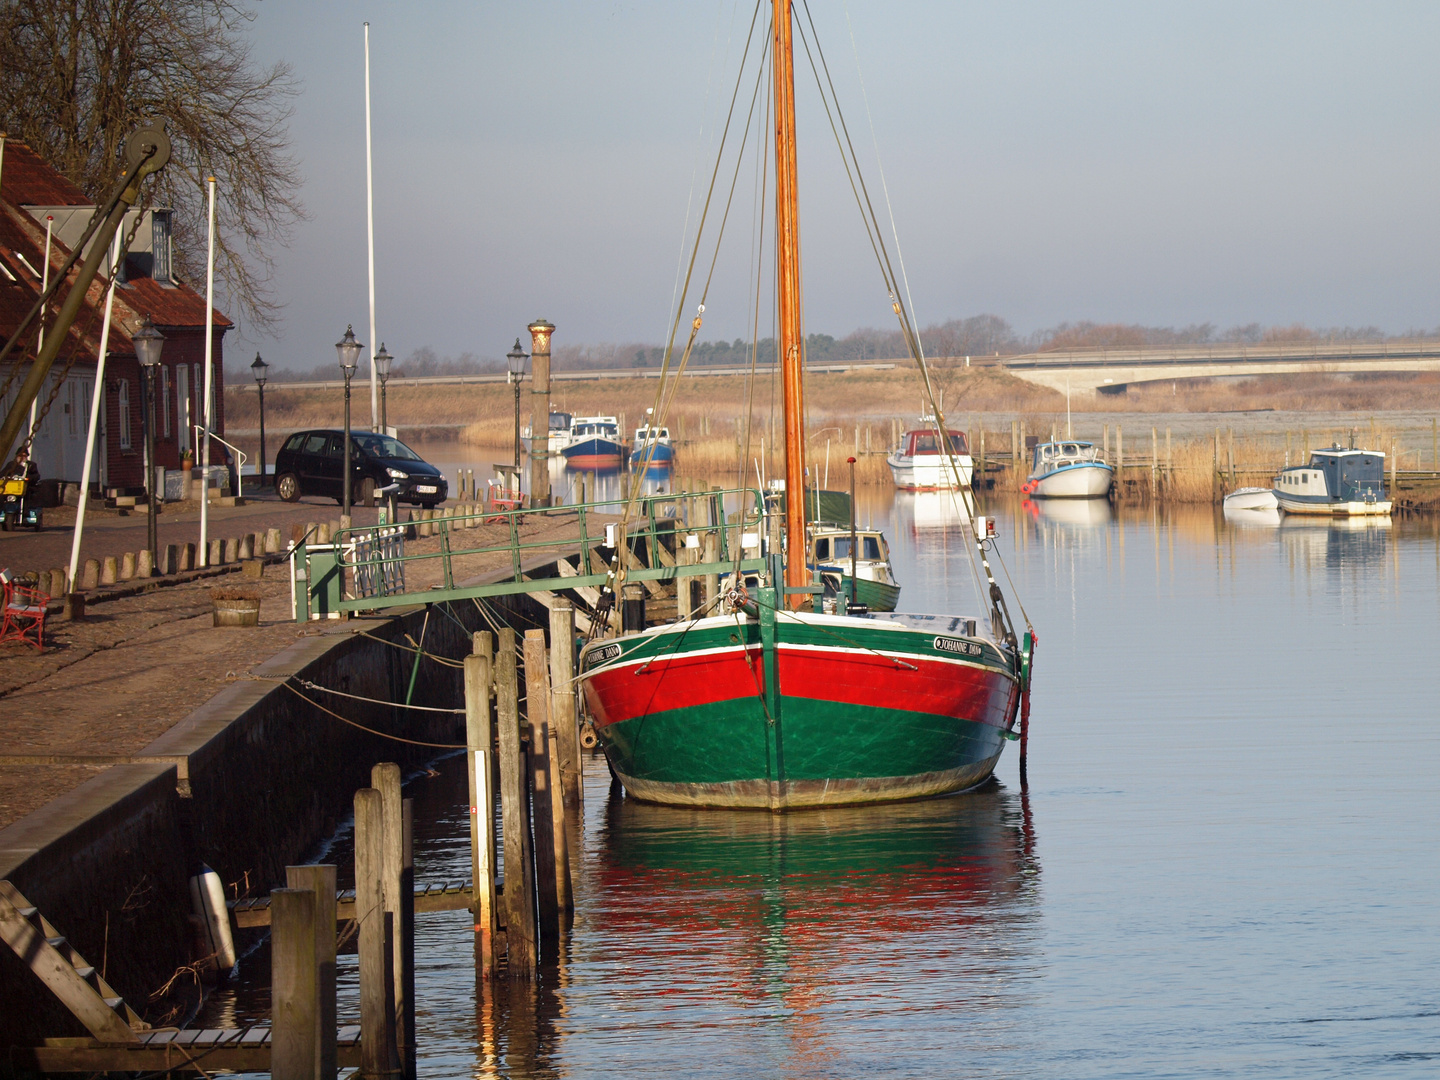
(944, 687)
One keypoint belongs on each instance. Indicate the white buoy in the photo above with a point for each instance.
(207, 895)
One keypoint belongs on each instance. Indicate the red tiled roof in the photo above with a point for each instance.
(22, 241)
(18, 235)
(25, 180)
(178, 305)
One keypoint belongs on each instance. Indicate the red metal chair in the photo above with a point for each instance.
(23, 615)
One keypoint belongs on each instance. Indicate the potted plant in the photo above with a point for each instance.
(235, 607)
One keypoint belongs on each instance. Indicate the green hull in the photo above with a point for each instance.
(844, 711)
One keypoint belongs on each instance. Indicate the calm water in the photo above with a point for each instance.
(1225, 863)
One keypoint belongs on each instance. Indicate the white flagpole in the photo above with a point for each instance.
(96, 397)
(202, 557)
(370, 232)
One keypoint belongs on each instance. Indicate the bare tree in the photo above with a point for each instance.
(77, 76)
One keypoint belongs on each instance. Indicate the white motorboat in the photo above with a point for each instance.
(558, 438)
(1068, 470)
(1251, 498)
(918, 463)
(1336, 482)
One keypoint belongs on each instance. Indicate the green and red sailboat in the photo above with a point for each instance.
(772, 704)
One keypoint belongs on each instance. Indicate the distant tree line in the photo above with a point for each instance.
(979, 335)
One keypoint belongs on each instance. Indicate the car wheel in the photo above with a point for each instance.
(367, 492)
(287, 487)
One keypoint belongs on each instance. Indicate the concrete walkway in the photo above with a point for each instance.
(137, 665)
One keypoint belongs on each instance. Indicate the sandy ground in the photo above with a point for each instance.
(137, 665)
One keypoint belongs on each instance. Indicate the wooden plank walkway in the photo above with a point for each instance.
(439, 896)
(209, 1050)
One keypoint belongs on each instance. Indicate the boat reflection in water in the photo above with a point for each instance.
(1261, 518)
(844, 940)
(1081, 513)
(1336, 542)
(930, 509)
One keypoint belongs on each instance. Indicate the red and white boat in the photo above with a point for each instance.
(920, 463)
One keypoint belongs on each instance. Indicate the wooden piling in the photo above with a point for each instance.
(1230, 454)
(550, 861)
(562, 703)
(478, 739)
(377, 1012)
(712, 581)
(320, 880)
(1014, 443)
(294, 986)
(518, 908)
(405, 982)
(385, 778)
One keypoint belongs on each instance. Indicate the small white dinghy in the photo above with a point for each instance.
(1251, 498)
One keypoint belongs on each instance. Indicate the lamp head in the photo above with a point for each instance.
(259, 369)
(382, 361)
(516, 359)
(348, 350)
(148, 343)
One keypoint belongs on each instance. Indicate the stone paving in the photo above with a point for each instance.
(136, 665)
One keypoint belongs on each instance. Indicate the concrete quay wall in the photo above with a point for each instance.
(248, 783)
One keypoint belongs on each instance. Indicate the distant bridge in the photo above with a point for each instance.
(1110, 371)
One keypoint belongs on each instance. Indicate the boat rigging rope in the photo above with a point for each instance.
(668, 383)
(907, 328)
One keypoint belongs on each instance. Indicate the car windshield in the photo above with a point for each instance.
(383, 446)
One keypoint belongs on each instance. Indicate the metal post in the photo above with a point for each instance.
(384, 419)
(852, 531)
(515, 381)
(347, 444)
(151, 531)
(262, 436)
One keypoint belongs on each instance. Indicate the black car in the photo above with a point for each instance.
(313, 463)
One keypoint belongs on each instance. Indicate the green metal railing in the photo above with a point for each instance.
(329, 578)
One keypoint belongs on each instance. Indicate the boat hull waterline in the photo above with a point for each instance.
(900, 712)
(1087, 481)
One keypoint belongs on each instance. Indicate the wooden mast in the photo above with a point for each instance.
(787, 274)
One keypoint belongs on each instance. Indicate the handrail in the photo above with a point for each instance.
(239, 462)
(702, 512)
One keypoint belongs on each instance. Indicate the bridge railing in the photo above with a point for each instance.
(1227, 353)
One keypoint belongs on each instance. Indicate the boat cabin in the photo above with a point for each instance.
(647, 433)
(604, 427)
(1336, 474)
(560, 421)
(1055, 455)
(836, 547)
(926, 441)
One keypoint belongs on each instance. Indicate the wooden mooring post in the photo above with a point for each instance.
(294, 986)
(518, 908)
(479, 736)
(385, 778)
(320, 881)
(563, 716)
(377, 1003)
(552, 862)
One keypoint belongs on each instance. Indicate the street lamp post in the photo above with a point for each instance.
(382, 360)
(348, 349)
(148, 342)
(259, 368)
(516, 358)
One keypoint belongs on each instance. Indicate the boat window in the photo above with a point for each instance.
(872, 547)
(925, 444)
(822, 549)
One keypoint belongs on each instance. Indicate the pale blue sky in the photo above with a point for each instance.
(1161, 163)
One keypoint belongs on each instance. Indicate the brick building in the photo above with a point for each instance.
(30, 193)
